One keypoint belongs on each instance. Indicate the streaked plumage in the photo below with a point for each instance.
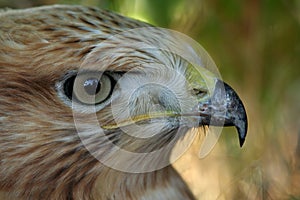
(42, 156)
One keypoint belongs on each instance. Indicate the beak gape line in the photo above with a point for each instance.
(224, 108)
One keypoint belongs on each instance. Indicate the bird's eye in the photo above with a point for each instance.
(89, 88)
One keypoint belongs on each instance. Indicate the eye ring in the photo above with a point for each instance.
(89, 88)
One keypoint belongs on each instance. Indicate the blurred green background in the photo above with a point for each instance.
(256, 46)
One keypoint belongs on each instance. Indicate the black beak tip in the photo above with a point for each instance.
(225, 98)
(237, 113)
(242, 127)
(241, 138)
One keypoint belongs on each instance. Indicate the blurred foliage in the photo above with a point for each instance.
(256, 45)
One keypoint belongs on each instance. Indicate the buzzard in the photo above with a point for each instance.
(92, 104)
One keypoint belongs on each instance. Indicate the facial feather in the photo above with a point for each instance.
(56, 145)
(42, 156)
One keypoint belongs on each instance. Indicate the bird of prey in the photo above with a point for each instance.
(91, 103)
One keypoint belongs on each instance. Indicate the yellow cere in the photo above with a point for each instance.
(201, 78)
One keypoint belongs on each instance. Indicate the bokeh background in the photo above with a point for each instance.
(256, 46)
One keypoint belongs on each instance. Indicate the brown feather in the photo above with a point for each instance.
(42, 156)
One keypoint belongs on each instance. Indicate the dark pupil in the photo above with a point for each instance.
(92, 86)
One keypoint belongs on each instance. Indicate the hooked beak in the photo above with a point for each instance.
(224, 108)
